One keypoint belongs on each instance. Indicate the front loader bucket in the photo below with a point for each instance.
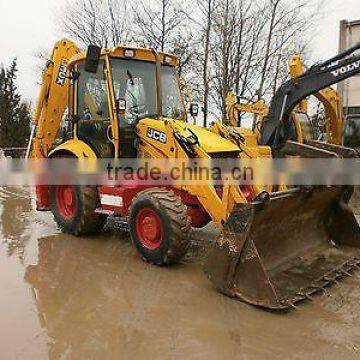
(279, 251)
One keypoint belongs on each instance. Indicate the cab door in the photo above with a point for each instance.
(94, 125)
(134, 86)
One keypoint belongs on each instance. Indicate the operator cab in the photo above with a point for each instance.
(117, 89)
(94, 122)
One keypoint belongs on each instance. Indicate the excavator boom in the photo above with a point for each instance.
(276, 128)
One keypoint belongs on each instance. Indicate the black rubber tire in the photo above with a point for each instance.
(175, 221)
(84, 221)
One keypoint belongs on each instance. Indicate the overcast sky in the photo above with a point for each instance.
(29, 25)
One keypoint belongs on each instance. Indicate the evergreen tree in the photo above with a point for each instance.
(14, 112)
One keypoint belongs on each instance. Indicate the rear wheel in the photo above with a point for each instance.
(74, 207)
(159, 226)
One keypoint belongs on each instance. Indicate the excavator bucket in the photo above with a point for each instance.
(286, 247)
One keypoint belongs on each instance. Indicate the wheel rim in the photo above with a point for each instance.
(66, 200)
(149, 228)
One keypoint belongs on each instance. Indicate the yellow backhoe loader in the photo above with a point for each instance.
(274, 248)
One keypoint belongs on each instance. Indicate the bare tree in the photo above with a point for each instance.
(237, 27)
(286, 31)
(224, 29)
(158, 22)
(207, 9)
(252, 42)
(161, 24)
(239, 45)
(100, 22)
(274, 4)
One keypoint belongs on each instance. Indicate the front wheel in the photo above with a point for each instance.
(159, 226)
(74, 206)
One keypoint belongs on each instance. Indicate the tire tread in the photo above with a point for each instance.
(179, 224)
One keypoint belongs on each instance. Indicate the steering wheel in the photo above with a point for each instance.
(136, 109)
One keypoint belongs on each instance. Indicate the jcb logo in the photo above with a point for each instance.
(345, 69)
(61, 78)
(157, 135)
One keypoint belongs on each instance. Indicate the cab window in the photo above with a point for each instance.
(93, 111)
(135, 99)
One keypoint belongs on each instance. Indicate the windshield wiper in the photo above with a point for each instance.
(130, 77)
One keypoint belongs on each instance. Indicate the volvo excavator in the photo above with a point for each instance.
(274, 249)
(258, 110)
(330, 100)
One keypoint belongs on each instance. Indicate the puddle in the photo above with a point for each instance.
(64, 297)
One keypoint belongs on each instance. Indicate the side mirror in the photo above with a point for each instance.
(194, 109)
(120, 105)
(92, 59)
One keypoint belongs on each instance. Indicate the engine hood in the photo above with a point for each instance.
(209, 141)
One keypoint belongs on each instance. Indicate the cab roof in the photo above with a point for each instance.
(132, 53)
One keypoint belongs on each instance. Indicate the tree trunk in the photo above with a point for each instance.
(206, 62)
(274, 4)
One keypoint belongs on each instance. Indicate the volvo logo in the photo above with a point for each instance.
(345, 69)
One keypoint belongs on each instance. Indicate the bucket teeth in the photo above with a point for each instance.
(319, 288)
(304, 295)
(354, 264)
(330, 280)
(291, 304)
(288, 304)
(346, 273)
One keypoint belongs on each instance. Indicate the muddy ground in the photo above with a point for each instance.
(63, 297)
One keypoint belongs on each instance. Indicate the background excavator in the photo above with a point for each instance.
(274, 248)
(306, 128)
(333, 113)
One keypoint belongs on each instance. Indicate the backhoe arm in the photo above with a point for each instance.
(276, 128)
(328, 97)
(53, 98)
